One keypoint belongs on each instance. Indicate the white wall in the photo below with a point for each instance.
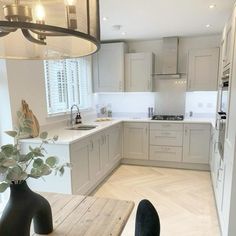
(5, 109)
(26, 81)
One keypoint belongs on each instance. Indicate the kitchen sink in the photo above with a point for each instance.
(83, 127)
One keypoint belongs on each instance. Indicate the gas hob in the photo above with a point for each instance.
(168, 117)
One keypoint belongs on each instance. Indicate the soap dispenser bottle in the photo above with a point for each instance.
(78, 119)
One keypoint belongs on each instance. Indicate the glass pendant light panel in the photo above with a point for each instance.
(68, 28)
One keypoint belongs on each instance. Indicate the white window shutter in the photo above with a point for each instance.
(67, 83)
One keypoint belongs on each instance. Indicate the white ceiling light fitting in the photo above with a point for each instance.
(49, 29)
(208, 26)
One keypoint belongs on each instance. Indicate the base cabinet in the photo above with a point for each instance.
(196, 147)
(136, 140)
(93, 158)
(166, 153)
(104, 152)
(80, 172)
(166, 142)
(156, 144)
(114, 143)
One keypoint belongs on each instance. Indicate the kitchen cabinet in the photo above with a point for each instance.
(104, 151)
(136, 140)
(166, 153)
(217, 166)
(203, 69)
(214, 154)
(86, 165)
(94, 157)
(115, 143)
(108, 68)
(166, 142)
(227, 43)
(196, 148)
(138, 72)
(80, 172)
(166, 134)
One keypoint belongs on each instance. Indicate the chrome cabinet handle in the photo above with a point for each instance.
(149, 84)
(91, 145)
(146, 130)
(166, 125)
(102, 140)
(165, 152)
(216, 143)
(186, 131)
(120, 86)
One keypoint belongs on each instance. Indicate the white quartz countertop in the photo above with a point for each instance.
(67, 136)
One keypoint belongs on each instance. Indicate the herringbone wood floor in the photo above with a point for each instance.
(183, 198)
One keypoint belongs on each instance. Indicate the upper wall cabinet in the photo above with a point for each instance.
(203, 69)
(227, 44)
(108, 68)
(138, 72)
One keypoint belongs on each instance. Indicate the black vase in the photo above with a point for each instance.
(23, 206)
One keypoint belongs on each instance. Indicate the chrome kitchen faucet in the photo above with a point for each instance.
(71, 113)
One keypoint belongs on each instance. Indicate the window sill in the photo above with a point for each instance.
(66, 114)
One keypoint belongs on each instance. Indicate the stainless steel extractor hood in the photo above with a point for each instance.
(169, 58)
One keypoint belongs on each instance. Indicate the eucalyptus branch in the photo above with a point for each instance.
(14, 165)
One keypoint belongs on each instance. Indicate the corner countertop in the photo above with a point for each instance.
(67, 136)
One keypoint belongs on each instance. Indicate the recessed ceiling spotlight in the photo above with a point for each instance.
(123, 33)
(208, 25)
(212, 6)
(104, 18)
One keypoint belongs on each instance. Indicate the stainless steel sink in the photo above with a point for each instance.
(83, 127)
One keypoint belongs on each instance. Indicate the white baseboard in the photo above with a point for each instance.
(168, 164)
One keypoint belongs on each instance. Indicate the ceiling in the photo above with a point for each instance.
(149, 19)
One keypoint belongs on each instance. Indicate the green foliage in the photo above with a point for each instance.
(43, 135)
(16, 167)
(3, 186)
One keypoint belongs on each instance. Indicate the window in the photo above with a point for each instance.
(67, 83)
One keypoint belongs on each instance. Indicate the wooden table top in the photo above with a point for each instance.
(76, 215)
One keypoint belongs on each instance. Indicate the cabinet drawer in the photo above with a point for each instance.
(169, 138)
(166, 126)
(165, 153)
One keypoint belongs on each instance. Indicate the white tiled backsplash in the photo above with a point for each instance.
(202, 104)
(127, 104)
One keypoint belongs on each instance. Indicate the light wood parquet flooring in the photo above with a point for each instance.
(183, 198)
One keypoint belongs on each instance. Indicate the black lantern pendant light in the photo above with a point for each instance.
(49, 29)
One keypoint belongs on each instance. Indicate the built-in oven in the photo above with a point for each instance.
(223, 109)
